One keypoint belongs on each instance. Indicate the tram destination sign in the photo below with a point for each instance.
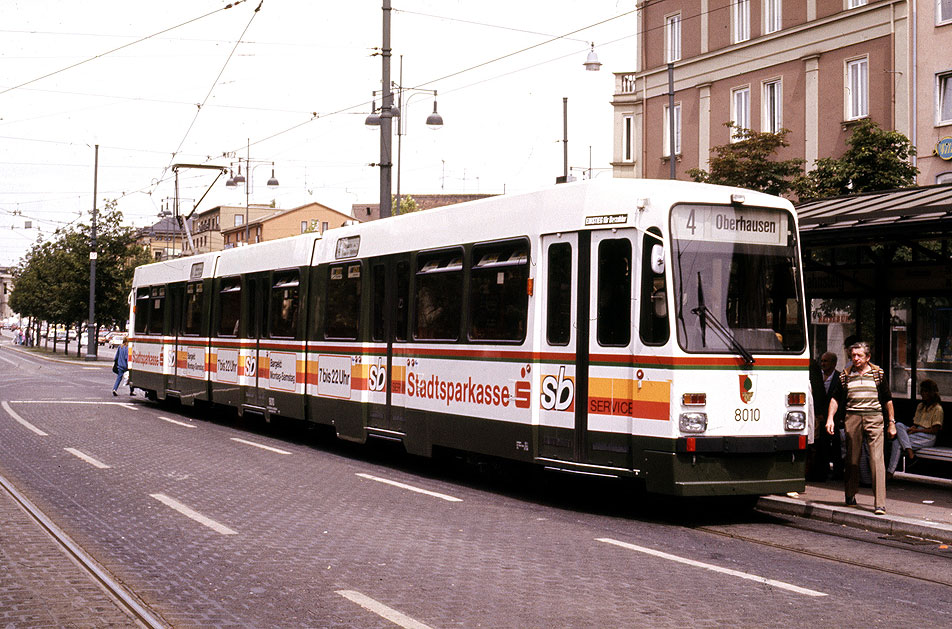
(606, 220)
(761, 226)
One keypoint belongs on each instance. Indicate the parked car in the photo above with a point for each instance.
(115, 339)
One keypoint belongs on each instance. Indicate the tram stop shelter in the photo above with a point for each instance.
(878, 266)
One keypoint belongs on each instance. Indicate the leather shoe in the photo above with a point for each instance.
(880, 511)
(851, 502)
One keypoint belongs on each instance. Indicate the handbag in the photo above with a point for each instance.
(115, 366)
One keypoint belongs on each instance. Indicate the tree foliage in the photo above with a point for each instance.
(748, 162)
(51, 283)
(875, 159)
(407, 204)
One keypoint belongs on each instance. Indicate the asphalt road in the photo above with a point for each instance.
(216, 521)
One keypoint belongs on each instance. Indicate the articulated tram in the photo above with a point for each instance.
(628, 328)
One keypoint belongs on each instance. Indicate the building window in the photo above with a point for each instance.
(943, 11)
(857, 89)
(239, 220)
(944, 92)
(773, 107)
(740, 20)
(740, 110)
(672, 38)
(852, 4)
(627, 149)
(666, 149)
(944, 178)
(773, 16)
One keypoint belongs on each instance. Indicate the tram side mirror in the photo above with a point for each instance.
(657, 259)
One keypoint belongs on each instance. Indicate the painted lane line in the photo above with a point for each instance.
(131, 407)
(397, 618)
(7, 360)
(260, 445)
(707, 566)
(176, 422)
(87, 458)
(195, 515)
(411, 488)
(22, 421)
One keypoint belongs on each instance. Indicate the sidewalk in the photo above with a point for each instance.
(105, 354)
(919, 506)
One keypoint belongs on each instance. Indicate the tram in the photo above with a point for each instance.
(623, 328)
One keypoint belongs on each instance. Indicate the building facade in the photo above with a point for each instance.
(283, 223)
(810, 66)
(6, 288)
(209, 225)
(164, 239)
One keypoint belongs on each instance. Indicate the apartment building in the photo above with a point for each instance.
(285, 223)
(815, 67)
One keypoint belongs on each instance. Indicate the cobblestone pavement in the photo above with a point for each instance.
(40, 585)
(293, 528)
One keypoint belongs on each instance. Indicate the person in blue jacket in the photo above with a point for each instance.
(121, 365)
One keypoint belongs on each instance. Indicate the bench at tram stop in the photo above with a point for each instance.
(936, 459)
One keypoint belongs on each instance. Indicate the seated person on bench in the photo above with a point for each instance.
(927, 423)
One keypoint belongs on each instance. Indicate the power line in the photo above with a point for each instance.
(109, 52)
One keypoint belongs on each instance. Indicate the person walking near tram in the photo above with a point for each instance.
(863, 389)
(121, 365)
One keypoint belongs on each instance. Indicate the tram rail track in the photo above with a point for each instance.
(130, 603)
(830, 556)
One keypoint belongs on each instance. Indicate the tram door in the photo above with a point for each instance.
(256, 298)
(390, 285)
(587, 336)
(563, 377)
(176, 380)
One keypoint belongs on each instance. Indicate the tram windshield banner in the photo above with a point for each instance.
(736, 274)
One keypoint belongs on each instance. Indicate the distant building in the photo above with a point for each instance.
(815, 67)
(210, 224)
(164, 239)
(283, 223)
(371, 211)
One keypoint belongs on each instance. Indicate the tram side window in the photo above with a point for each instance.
(438, 298)
(499, 300)
(157, 310)
(194, 291)
(285, 304)
(614, 292)
(142, 310)
(229, 306)
(342, 316)
(558, 319)
(653, 327)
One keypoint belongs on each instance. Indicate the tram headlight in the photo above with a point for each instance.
(795, 420)
(693, 422)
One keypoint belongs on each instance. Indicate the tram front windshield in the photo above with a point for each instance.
(736, 280)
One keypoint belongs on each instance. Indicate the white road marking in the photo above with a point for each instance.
(176, 422)
(131, 407)
(195, 515)
(22, 421)
(260, 445)
(707, 566)
(7, 360)
(87, 458)
(411, 488)
(397, 618)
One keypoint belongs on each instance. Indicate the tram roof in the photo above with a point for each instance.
(874, 216)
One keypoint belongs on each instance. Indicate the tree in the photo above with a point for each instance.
(407, 204)
(51, 283)
(875, 159)
(748, 162)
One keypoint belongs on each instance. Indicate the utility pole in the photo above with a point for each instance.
(386, 117)
(92, 332)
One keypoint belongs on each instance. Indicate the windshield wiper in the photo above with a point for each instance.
(705, 315)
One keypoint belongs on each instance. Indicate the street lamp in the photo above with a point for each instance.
(250, 166)
(433, 121)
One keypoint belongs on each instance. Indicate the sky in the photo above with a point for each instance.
(191, 82)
